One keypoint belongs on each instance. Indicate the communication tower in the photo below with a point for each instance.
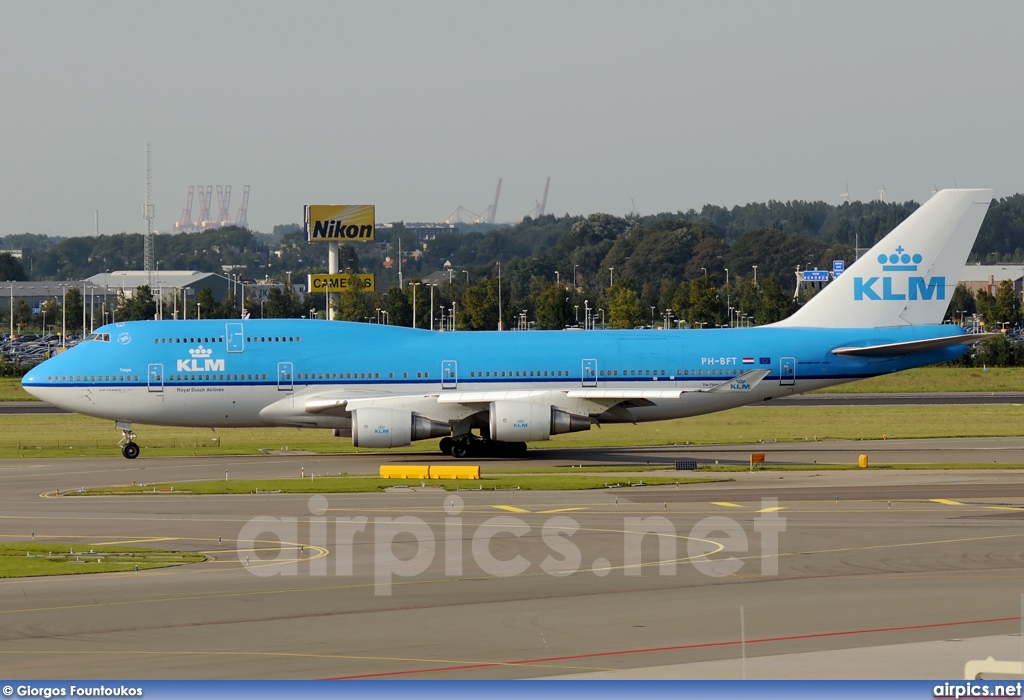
(147, 214)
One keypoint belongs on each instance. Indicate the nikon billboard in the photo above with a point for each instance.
(322, 284)
(339, 222)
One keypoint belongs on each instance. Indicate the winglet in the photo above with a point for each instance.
(907, 278)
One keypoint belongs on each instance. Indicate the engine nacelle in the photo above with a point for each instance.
(393, 427)
(526, 421)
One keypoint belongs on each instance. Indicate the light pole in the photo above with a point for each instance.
(602, 318)
(574, 275)
(726, 277)
(558, 280)
(414, 285)
(431, 305)
(652, 317)
(755, 274)
(611, 276)
(467, 278)
(63, 316)
(705, 271)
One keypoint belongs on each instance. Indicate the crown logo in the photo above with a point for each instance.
(900, 261)
(200, 352)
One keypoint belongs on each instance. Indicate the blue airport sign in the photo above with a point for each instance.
(838, 267)
(815, 275)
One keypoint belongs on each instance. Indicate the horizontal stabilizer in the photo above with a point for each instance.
(912, 346)
(743, 382)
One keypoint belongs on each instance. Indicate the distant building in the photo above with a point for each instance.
(976, 277)
(35, 293)
(166, 282)
(13, 252)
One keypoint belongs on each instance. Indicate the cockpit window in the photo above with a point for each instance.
(102, 337)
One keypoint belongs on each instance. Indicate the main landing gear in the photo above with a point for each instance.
(127, 444)
(471, 446)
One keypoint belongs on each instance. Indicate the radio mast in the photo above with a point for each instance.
(147, 214)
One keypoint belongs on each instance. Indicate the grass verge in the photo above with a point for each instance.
(55, 435)
(937, 380)
(361, 484)
(50, 559)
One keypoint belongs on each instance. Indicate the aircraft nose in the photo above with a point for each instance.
(34, 379)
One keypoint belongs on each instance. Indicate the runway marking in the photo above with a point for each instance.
(726, 504)
(561, 510)
(773, 509)
(511, 509)
(946, 502)
(678, 647)
(1003, 508)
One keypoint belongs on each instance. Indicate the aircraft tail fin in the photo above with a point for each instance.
(908, 277)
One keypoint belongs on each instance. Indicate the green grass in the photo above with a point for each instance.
(360, 484)
(50, 559)
(730, 468)
(10, 390)
(56, 435)
(937, 379)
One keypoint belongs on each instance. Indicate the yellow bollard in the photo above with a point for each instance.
(863, 461)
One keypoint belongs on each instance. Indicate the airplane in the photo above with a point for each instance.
(491, 392)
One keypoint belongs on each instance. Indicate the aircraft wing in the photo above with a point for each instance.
(601, 398)
(912, 346)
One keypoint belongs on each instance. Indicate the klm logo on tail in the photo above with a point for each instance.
(899, 288)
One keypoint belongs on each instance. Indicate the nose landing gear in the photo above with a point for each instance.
(127, 444)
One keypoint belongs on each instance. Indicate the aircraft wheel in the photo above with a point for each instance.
(518, 449)
(446, 445)
(130, 450)
(460, 448)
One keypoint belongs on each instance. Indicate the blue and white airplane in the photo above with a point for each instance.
(387, 386)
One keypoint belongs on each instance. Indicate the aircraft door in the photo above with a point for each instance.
(234, 337)
(787, 371)
(589, 372)
(155, 378)
(285, 376)
(449, 374)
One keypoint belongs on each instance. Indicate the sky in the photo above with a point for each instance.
(419, 107)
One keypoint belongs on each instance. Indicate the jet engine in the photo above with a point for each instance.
(393, 427)
(525, 421)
